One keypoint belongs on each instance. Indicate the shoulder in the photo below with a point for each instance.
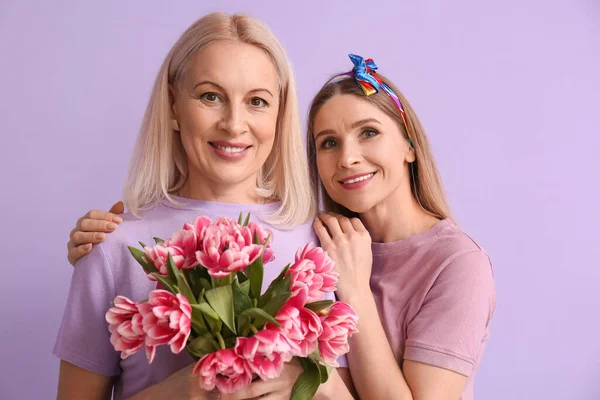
(461, 261)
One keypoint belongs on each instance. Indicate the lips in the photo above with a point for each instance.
(230, 147)
(357, 178)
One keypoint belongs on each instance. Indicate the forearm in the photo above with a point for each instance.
(150, 393)
(374, 368)
(336, 387)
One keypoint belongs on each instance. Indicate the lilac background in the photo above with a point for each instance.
(508, 92)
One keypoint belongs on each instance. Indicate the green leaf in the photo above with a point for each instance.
(166, 282)
(201, 297)
(239, 221)
(205, 284)
(277, 301)
(241, 301)
(201, 346)
(212, 318)
(245, 286)
(280, 284)
(325, 370)
(157, 240)
(308, 382)
(241, 277)
(261, 317)
(141, 258)
(172, 269)
(247, 220)
(221, 300)
(185, 288)
(255, 274)
(142, 244)
(319, 306)
(243, 324)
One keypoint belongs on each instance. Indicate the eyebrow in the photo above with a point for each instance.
(223, 89)
(353, 126)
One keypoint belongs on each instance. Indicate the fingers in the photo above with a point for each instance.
(332, 224)
(96, 225)
(358, 225)
(76, 253)
(255, 390)
(322, 232)
(79, 238)
(102, 215)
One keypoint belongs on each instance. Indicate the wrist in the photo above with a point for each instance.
(334, 388)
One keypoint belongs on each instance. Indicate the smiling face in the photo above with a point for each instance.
(225, 109)
(361, 153)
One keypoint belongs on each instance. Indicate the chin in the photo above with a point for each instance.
(358, 207)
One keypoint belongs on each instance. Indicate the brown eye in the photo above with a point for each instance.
(258, 102)
(211, 97)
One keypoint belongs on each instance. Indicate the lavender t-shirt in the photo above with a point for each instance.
(110, 270)
(435, 296)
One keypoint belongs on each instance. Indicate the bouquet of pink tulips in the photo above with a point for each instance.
(210, 303)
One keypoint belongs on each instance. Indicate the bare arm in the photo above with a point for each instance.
(77, 383)
(376, 371)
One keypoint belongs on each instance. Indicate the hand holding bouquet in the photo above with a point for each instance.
(209, 302)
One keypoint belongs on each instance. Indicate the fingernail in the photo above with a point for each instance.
(118, 220)
(111, 226)
(100, 236)
(88, 246)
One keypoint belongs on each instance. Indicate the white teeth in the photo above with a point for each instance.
(230, 149)
(360, 178)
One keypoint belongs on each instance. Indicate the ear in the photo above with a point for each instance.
(410, 155)
(174, 122)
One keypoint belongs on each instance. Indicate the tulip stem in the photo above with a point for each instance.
(253, 328)
(220, 339)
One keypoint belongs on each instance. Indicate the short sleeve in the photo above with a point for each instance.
(83, 337)
(452, 324)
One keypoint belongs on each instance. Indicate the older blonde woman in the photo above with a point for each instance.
(221, 135)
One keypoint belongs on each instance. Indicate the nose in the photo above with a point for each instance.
(233, 120)
(350, 154)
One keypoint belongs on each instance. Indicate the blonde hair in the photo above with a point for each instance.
(158, 166)
(425, 182)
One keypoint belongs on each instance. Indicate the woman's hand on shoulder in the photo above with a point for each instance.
(348, 243)
(91, 229)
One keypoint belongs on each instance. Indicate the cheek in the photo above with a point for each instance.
(326, 167)
(264, 127)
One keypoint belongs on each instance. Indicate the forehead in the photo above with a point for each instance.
(233, 65)
(343, 110)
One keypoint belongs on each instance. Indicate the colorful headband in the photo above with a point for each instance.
(364, 72)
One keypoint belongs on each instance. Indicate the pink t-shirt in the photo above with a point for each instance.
(110, 270)
(435, 296)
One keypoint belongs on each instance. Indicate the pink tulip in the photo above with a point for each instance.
(198, 226)
(125, 326)
(166, 319)
(225, 370)
(313, 272)
(182, 247)
(265, 238)
(266, 352)
(226, 248)
(301, 327)
(338, 326)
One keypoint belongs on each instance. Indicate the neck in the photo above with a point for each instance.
(398, 217)
(198, 187)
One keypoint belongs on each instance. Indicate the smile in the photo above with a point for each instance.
(229, 150)
(358, 179)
